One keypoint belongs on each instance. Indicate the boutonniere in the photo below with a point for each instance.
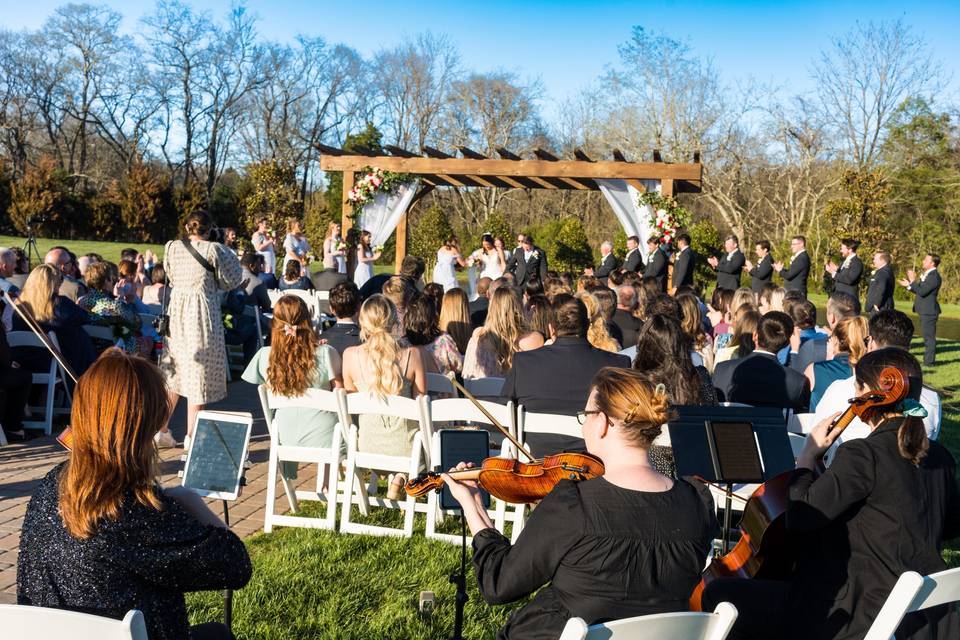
(923, 276)
(535, 255)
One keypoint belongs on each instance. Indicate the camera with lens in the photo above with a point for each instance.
(37, 219)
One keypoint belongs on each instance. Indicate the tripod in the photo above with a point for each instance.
(30, 247)
(460, 579)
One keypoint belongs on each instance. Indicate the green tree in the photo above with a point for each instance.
(144, 203)
(428, 232)
(705, 242)
(497, 226)
(571, 251)
(269, 189)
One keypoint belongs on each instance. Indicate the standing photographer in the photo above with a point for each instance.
(194, 354)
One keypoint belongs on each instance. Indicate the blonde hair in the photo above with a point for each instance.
(597, 333)
(741, 297)
(455, 317)
(504, 326)
(378, 320)
(39, 292)
(293, 358)
(775, 299)
(330, 227)
(851, 334)
(291, 222)
(630, 395)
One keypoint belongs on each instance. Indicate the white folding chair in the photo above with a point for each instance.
(532, 422)
(327, 459)
(22, 622)
(100, 332)
(488, 387)
(796, 443)
(802, 423)
(689, 625)
(274, 295)
(362, 403)
(50, 379)
(308, 297)
(911, 593)
(440, 384)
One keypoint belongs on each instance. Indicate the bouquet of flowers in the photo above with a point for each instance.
(667, 217)
(378, 248)
(341, 246)
(371, 182)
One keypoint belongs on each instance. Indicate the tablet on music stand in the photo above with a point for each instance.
(217, 453)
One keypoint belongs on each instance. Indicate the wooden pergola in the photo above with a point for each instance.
(437, 169)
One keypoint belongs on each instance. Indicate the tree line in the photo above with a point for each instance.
(112, 134)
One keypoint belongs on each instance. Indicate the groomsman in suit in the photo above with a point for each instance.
(684, 263)
(925, 303)
(762, 272)
(528, 261)
(608, 261)
(795, 276)
(728, 267)
(846, 277)
(656, 263)
(880, 289)
(633, 261)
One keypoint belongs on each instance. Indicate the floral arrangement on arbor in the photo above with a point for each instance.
(371, 182)
(667, 217)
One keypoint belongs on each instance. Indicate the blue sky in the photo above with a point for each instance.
(567, 44)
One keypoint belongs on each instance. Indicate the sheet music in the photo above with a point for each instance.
(216, 456)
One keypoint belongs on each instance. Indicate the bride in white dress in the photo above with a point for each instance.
(491, 256)
(448, 256)
(366, 256)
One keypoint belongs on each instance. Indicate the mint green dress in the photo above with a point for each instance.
(301, 427)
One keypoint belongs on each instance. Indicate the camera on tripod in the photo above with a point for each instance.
(37, 219)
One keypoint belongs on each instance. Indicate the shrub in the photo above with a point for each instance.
(571, 251)
(428, 233)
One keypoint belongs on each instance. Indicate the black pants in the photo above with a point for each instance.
(14, 390)
(210, 631)
(761, 606)
(928, 326)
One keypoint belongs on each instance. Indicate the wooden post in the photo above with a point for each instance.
(345, 220)
(666, 187)
(401, 252)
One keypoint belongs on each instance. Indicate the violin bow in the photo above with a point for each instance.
(28, 318)
(493, 421)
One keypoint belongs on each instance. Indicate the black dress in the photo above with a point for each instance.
(607, 552)
(144, 560)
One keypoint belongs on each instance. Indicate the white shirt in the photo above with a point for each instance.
(798, 253)
(527, 254)
(846, 261)
(731, 254)
(926, 273)
(836, 397)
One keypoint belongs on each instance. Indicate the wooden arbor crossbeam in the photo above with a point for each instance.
(438, 169)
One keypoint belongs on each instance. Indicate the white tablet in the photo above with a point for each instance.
(217, 453)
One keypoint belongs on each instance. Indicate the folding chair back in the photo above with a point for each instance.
(439, 383)
(914, 592)
(50, 379)
(484, 387)
(22, 622)
(686, 625)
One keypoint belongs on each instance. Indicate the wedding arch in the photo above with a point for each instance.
(620, 181)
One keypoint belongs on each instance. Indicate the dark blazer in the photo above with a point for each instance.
(761, 273)
(342, 335)
(657, 268)
(327, 279)
(524, 270)
(556, 379)
(256, 291)
(848, 278)
(761, 381)
(880, 289)
(795, 276)
(633, 261)
(478, 311)
(607, 265)
(728, 271)
(683, 267)
(811, 351)
(925, 303)
(870, 517)
(629, 327)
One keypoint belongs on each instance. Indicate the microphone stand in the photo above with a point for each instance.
(460, 579)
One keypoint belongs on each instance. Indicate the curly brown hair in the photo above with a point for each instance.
(293, 358)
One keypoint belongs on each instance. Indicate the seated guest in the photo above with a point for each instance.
(597, 333)
(411, 272)
(845, 346)
(131, 273)
(130, 544)
(839, 306)
(804, 316)
(556, 378)
(478, 307)
(663, 353)
(156, 291)
(585, 539)
(8, 265)
(294, 362)
(701, 347)
(399, 292)
(608, 307)
(255, 289)
(553, 287)
(885, 506)
(62, 260)
(741, 344)
(455, 317)
(434, 292)
(539, 316)
(888, 329)
(345, 304)
(326, 280)
(720, 315)
(15, 383)
(21, 270)
(771, 298)
(41, 298)
(421, 329)
(292, 278)
(760, 380)
(623, 317)
(106, 309)
(492, 347)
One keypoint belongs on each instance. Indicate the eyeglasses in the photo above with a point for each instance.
(582, 415)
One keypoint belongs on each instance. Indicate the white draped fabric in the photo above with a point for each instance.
(381, 216)
(622, 197)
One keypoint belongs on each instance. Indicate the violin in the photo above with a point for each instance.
(763, 550)
(511, 480)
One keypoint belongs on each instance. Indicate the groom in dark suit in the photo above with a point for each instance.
(633, 261)
(527, 262)
(684, 263)
(656, 263)
(880, 288)
(926, 288)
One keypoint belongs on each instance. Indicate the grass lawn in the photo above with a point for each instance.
(109, 250)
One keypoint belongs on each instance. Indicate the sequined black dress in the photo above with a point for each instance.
(144, 560)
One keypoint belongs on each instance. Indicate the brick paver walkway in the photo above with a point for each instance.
(23, 466)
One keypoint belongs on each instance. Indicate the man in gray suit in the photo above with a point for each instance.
(925, 304)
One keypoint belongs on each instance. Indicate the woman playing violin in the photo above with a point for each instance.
(882, 508)
(628, 543)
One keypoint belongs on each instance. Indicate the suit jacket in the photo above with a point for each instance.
(880, 289)
(761, 273)
(342, 335)
(72, 289)
(524, 270)
(925, 303)
(848, 278)
(325, 281)
(683, 268)
(657, 268)
(256, 291)
(478, 311)
(761, 381)
(633, 261)
(607, 265)
(811, 351)
(629, 327)
(728, 270)
(795, 276)
(556, 379)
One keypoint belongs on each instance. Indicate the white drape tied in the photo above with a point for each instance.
(622, 197)
(381, 216)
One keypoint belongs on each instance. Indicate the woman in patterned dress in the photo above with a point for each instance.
(194, 354)
(109, 310)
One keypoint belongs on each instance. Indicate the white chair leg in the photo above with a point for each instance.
(291, 493)
(271, 488)
(351, 483)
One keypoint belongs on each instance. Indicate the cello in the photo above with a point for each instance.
(760, 552)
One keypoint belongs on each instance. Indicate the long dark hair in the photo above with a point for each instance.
(911, 436)
(420, 324)
(663, 351)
